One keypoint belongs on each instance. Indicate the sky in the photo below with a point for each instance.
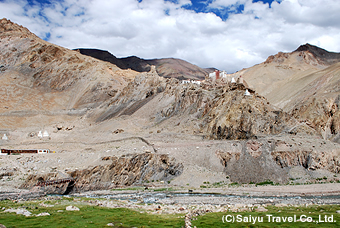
(226, 34)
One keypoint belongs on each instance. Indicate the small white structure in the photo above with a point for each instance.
(46, 134)
(40, 135)
(233, 80)
(191, 81)
(43, 151)
(4, 137)
(223, 74)
(196, 82)
(247, 93)
(212, 75)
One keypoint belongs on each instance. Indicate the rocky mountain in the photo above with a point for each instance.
(303, 83)
(68, 83)
(276, 77)
(166, 67)
(215, 111)
(152, 126)
(42, 79)
(321, 55)
(53, 84)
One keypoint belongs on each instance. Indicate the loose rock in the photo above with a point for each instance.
(72, 208)
(43, 214)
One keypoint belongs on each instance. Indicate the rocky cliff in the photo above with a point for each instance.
(234, 115)
(280, 160)
(126, 170)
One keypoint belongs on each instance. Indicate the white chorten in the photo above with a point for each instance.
(40, 135)
(46, 134)
(4, 137)
(233, 80)
(247, 93)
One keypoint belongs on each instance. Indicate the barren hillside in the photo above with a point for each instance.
(41, 79)
(277, 77)
(104, 122)
(304, 83)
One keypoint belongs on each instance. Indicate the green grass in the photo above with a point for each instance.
(95, 216)
(218, 184)
(215, 219)
(207, 184)
(163, 189)
(88, 216)
(267, 182)
(322, 178)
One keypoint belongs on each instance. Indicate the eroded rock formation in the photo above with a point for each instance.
(234, 115)
(262, 160)
(322, 114)
(218, 111)
(127, 170)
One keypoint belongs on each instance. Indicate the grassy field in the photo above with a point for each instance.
(95, 216)
(87, 216)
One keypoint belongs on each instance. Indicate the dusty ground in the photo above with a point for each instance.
(84, 147)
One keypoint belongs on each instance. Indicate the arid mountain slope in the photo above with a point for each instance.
(270, 77)
(39, 78)
(318, 102)
(215, 111)
(57, 82)
(166, 67)
(304, 83)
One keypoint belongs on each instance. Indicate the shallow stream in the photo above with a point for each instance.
(213, 198)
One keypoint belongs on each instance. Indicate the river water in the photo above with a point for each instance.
(212, 198)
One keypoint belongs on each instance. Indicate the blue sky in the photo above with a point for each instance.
(226, 34)
(201, 6)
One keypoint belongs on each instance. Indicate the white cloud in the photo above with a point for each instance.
(316, 12)
(156, 29)
(219, 4)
